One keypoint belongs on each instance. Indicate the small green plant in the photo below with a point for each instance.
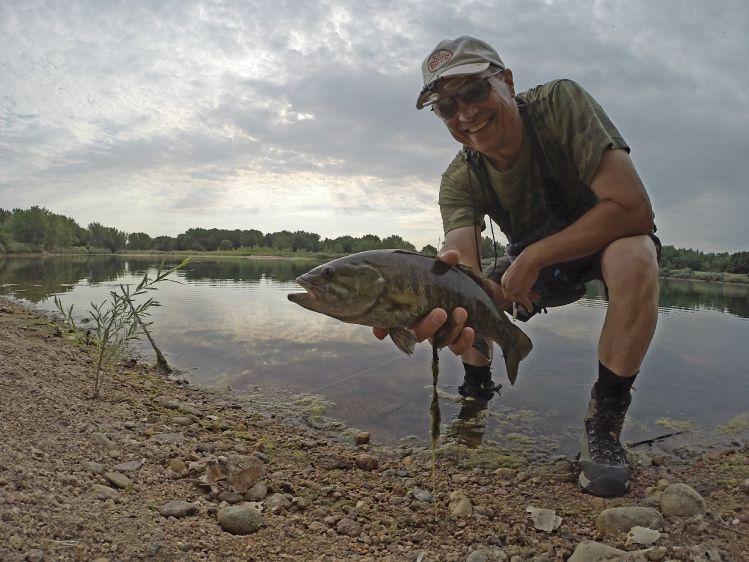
(119, 320)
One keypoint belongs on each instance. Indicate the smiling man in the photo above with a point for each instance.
(550, 168)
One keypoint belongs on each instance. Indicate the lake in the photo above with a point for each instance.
(228, 323)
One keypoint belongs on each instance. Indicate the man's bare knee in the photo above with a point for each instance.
(630, 261)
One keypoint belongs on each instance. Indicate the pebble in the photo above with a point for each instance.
(177, 508)
(246, 478)
(621, 519)
(205, 447)
(177, 466)
(681, 500)
(35, 555)
(591, 551)
(643, 536)
(277, 502)
(95, 467)
(130, 466)
(166, 402)
(422, 495)
(348, 527)
(240, 519)
(477, 556)
(117, 479)
(367, 462)
(330, 462)
(101, 440)
(191, 409)
(257, 493)
(182, 420)
(166, 438)
(459, 505)
(362, 438)
(104, 492)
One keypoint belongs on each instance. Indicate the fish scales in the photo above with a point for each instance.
(392, 289)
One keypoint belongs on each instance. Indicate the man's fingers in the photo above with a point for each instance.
(450, 257)
(427, 326)
(463, 343)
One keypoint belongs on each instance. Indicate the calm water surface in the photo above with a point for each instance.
(228, 323)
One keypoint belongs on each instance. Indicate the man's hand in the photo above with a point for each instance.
(460, 338)
(518, 280)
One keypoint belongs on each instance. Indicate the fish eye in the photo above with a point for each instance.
(327, 272)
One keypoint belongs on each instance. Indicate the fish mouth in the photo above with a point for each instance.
(313, 291)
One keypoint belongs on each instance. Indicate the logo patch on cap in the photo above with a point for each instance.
(438, 59)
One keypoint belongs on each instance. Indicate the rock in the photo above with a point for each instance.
(246, 478)
(102, 441)
(621, 519)
(367, 462)
(477, 556)
(35, 555)
(257, 493)
(117, 479)
(591, 551)
(544, 519)
(348, 527)
(681, 500)
(459, 505)
(657, 554)
(182, 421)
(277, 502)
(330, 462)
(505, 473)
(104, 492)
(240, 519)
(205, 447)
(191, 409)
(166, 402)
(94, 467)
(177, 508)
(422, 495)
(230, 497)
(317, 527)
(177, 466)
(643, 536)
(166, 438)
(361, 438)
(130, 466)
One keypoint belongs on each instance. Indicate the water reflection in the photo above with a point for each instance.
(229, 322)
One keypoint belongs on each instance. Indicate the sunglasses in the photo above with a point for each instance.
(475, 91)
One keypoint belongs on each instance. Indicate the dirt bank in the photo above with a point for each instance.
(84, 479)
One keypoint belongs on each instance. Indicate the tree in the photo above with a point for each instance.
(107, 237)
(429, 250)
(367, 242)
(225, 245)
(395, 241)
(139, 241)
(738, 263)
(164, 244)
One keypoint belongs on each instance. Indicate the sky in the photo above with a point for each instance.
(161, 116)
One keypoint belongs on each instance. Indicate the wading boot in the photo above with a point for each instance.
(604, 469)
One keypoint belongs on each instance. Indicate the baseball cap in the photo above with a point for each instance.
(453, 57)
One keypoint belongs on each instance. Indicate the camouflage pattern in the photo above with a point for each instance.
(573, 131)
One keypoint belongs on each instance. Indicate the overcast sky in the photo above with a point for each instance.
(160, 116)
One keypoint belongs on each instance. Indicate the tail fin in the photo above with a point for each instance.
(515, 351)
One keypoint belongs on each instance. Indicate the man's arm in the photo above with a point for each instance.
(623, 210)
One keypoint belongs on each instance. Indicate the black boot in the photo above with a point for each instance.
(477, 383)
(605, 471)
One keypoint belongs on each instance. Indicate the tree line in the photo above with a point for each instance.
(37, 229)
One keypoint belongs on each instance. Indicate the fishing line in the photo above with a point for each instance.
(382, 364)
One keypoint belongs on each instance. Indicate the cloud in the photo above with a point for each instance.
(267, 112)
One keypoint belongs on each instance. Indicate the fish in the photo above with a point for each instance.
(392, 289)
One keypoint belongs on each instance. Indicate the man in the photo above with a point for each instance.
(552, 170)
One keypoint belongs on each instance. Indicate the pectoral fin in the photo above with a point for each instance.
(404, 339)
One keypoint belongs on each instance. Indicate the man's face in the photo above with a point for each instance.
(488, 125)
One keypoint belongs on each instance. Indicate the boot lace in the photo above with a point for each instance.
(603, 431)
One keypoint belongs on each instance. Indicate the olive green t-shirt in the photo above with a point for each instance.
(573, 131)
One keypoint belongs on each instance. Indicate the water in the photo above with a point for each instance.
(228, 323)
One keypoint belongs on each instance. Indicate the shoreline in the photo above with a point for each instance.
(86, 479)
